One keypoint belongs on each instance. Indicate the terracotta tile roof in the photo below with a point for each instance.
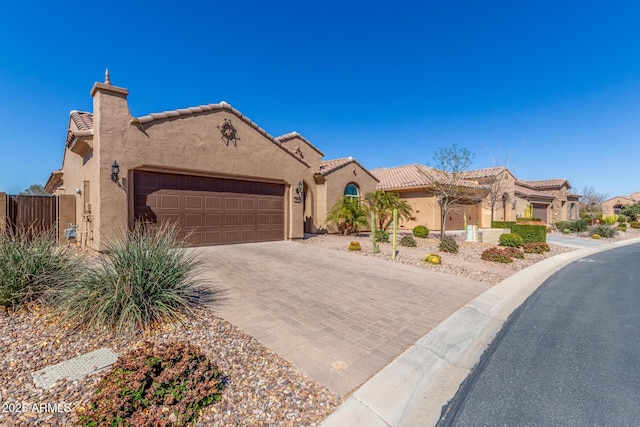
(410, 176)
(545, 183)
(291, 135)
(83, 123)
(82, 119)
(526, 190)
(483, 173)
(325, 167)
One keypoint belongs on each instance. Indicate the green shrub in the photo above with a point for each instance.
(408, 241)
(382, 236)
(562, 225)
(421, 231)
(143, 280)
(535, 248)
(622, 219)
(632, 211)
(32, 265)
(621, 227)
(496, 254)
(596, 236)
(610, 219)
(566, 231)
(528, 219)
(634, 224)
(530, 232)
(579, 226)
(511, 239)
(502, 224)
(165, 384)
(448, 244)
(355, 246)
(602, 230)
(433, 259)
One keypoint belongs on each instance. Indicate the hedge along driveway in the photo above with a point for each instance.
(339, 317)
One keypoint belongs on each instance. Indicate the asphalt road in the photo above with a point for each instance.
(569, 356)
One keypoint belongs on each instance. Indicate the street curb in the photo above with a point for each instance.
(414, 387)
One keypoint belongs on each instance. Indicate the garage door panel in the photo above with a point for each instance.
(264, 219)
(232, 236)
(167, 218)
(212, 203)
(212, 238)
(231, 220)
(248, 220)
(248, 236)
(232, 204)
(212, 211)
(193, 202)
(193, 220)
(169, 201)
(248, 204)
(212, 220)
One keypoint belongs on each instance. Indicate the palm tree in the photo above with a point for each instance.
(348, 215)
(383, 203)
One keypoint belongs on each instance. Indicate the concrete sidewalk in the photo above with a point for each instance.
(413, 389)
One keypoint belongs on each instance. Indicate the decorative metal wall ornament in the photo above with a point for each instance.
(228, 132)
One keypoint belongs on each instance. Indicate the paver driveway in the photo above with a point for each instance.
(339, 317)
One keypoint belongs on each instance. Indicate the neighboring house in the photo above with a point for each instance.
(549, 199)
(615, 204)
(498, 190)
(413, 183)
(209, 169)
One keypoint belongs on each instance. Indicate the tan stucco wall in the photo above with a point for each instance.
(309, 153)
(608, 205)
(336, 182)
(425, 210)
(66, 214)
(190, 144)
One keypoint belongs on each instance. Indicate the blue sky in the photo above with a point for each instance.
(550, 89)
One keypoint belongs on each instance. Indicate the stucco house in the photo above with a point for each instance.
(496, 190)
(614, 205)
(209, 169)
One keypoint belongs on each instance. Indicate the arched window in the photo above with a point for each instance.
(351, 191)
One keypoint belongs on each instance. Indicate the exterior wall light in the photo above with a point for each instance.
(115, 170)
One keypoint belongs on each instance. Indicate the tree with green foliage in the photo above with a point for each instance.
(348, 215)
(632, 211)
(35, 190)
(382, 203)
(447, 181)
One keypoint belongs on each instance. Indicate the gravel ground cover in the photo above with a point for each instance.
(466, 263)
(263, 388)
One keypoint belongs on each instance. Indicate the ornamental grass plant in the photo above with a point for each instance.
(143, 280)
(32, 264)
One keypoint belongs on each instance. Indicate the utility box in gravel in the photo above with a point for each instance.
(492, 235)
(75, 368)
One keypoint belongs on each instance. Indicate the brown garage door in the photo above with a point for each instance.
(455, 217)
(540, 211)
(211, 211)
